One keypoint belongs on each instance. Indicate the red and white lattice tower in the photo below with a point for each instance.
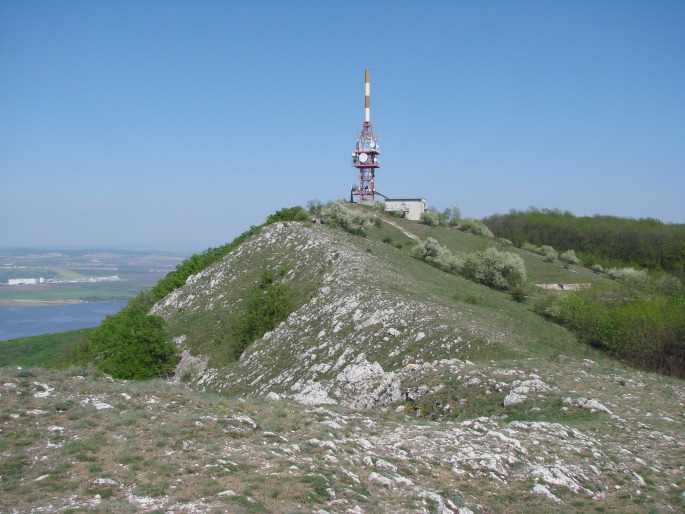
(365, 157)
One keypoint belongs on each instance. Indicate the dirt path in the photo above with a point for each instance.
(404, 231)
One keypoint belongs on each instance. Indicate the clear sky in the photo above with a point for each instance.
(169, 123)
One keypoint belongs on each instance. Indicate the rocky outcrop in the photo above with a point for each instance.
(349, 343)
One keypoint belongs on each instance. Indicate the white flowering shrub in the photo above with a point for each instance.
(569, 257)
(428, 248)
(354, 221)
(439, 256)
(430, 218)
(498, 269)
(475, 227)
(494, 268)
(631, 275)
(548, 252)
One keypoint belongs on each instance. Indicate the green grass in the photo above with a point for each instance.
(526, 333)
(45, 351)
(539, 272)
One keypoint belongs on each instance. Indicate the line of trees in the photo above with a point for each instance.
(605, 240)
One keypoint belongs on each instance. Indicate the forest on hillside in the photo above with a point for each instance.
(605, 240)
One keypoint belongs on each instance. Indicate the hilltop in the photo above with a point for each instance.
(390, 386)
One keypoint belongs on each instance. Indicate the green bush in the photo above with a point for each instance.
(296, 213)
(645, 328)
(267, 304)
(133, 345)
(549, 253)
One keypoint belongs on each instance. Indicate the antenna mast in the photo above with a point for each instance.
(365, 157)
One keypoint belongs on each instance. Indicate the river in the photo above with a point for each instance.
(18, 322)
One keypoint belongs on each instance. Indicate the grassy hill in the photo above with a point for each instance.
(391, 386)
(44, 351)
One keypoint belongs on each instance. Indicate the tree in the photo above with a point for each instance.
(133, 345)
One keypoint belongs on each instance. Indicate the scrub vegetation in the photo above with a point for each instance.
(342, 370)
(605, 240)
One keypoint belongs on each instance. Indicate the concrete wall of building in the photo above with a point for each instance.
(412, 207)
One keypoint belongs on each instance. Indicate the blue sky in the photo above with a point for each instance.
(167, 123)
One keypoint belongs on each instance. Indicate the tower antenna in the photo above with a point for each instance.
(365, 156)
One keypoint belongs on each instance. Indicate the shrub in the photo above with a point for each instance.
(569, 257)
(498, 269)
(428, 248)
(519, 294)
(430, 218)
(597, 268)
(354, 221)
(133, 345)
(439, 256)
(646, 329)
(267, 304)
(296, 213)
(630, 275)
(548, 305)
(494, 268)
(475, 227)
(549, 254)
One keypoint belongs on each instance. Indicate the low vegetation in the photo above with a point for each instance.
(451, 217)
(643, 323)
(494, 268)
(455, 385)
(605, 240)
(266, 305)
(135, 345)
(44, 351)
(354, 221)
(132, 344)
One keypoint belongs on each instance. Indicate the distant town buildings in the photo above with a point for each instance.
(41, 280)
(25, 281)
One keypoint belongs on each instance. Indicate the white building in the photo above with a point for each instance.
(412, 208)
(25, 281)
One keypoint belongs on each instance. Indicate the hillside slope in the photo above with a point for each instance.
(392, 387)
(376, 311)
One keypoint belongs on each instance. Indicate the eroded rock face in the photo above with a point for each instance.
(350, 343)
